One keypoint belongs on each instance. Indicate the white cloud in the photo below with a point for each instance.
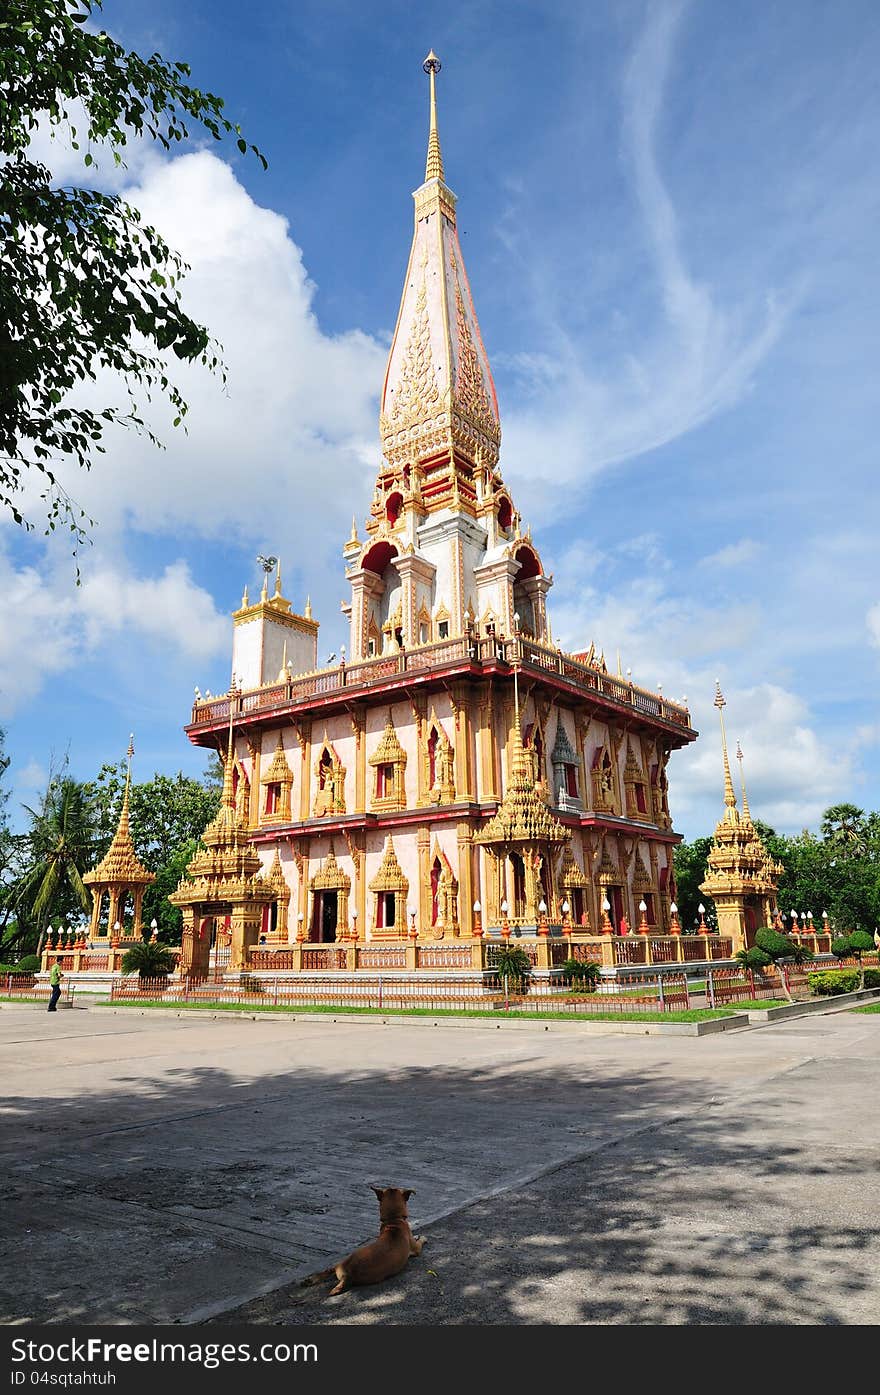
(735, 554)
(48, 626)
(572, 418)
(873, 623)
(284, 443)
(682, 642)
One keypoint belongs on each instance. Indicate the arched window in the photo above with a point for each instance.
(505, 513)
(393, 506)
(433, 738)
(324, 768)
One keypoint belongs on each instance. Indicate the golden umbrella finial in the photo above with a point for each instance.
(434, 162)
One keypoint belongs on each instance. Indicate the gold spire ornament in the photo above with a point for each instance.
(729, 796)
(434, 162)
(747, 816)
(119, 873)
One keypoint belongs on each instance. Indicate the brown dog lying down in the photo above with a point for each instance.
(382, 1257)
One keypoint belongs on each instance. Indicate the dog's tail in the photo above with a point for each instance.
(319, 1277)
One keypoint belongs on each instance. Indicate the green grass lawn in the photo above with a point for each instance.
(871, 1007)
(695, 1015)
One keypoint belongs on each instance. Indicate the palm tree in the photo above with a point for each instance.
(60, 846)
(148, 959)
(843, 827)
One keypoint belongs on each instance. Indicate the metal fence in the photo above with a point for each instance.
(487, 992)
(26, 987)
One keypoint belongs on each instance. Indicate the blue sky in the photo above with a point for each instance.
(669, 216)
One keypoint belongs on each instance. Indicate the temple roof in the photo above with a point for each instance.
(120, 865)
(522, 816)
(738, 859)
(438, 389)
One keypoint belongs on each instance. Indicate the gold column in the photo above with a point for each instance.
(465, 880)
(305, 747)
(358, 726)
(488, 788)
(467, 742)
(423, 846)
(255, 746)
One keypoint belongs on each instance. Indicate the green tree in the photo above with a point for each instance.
(690, 863)
(168, 815)
(582, 974)
(512, 962)
(148, 959)
(60, 846)
(844, 830)
(86, 284)
(857, 944)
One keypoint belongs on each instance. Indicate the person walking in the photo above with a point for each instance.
(55, 977)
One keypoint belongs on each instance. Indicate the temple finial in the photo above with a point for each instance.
(130, 753)
(729, 796)
(228, 797)
(434, 162)
(747, 813)
(278, 580)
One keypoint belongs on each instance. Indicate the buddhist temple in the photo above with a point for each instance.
(118, 882)
(455, 778)
(742, 875)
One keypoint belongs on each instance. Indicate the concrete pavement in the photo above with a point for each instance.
(165, 1169)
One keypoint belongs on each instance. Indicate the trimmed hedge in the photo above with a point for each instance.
(30, 964)
(832, 981)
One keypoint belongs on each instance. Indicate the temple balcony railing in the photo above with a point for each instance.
(473, 652)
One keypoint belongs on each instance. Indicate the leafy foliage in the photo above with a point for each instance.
(148, 959)
(514, 964)
(86, 283)
(690, 867)
(60, 847)
(833, 981)
(167, 817)
(582, 974)
(27, 964)
(754, 958)
(775, 945)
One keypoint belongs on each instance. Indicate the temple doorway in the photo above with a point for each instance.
(325, 914)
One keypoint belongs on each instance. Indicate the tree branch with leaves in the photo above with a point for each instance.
(87, 285)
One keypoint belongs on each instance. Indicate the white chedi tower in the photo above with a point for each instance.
(443, 555)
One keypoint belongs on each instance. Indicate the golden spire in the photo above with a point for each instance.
(434, 163)
(228, 798)
(120, 863)
(746, 811)
(278, 580)
(729, 796)
(307, 613)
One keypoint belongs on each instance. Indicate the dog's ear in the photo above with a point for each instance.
(408, 1193)
(380, 1191)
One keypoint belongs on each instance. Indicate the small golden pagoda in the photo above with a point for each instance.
(523, 829)
(222, 895)
(120, 878)
(742, 875)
